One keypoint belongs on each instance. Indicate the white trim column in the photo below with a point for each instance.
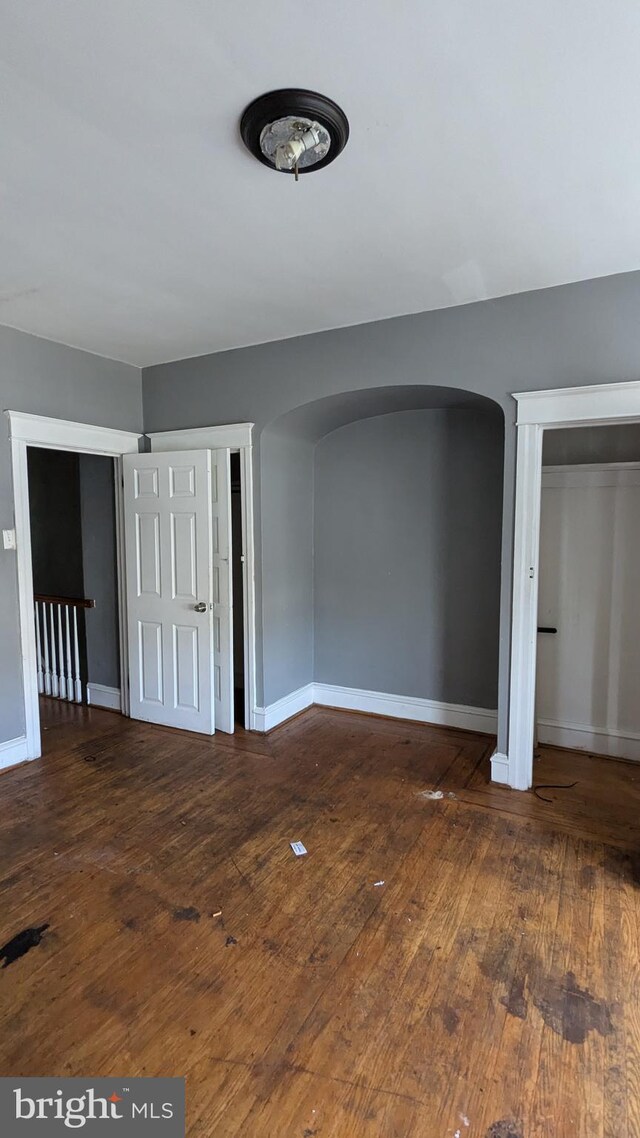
(22, 523)
(525, 606)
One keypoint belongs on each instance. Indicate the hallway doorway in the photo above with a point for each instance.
(75, 576)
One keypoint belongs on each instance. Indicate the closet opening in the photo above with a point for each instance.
(237, 562)
(588, 633)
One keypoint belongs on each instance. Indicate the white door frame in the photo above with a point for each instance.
(83, 438)
(598, 405)
(238, 438)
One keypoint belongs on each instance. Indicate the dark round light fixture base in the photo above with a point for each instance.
(307, 112)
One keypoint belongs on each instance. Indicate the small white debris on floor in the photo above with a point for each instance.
(436, 794)
(298, 848)
(464, 1120)
(378, 883)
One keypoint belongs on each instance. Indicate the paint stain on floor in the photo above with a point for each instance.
(515, 1001)
(568, 1009)
(450, 1019)
(571, 1011)
(20, 944)
(188, 914)
(504, 1128)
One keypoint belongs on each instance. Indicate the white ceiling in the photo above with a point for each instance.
(494, 148)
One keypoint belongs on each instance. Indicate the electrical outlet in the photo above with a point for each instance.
(9, 538)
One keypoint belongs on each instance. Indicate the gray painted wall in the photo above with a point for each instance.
(287, 565)
(44, 378)
(575, 334)
(592, 444)
(99, 559)
(408, 517)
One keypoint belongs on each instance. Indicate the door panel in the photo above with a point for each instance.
(150, 661)
(183, 557)
(168, 525)
(185, 651)
(148, 554)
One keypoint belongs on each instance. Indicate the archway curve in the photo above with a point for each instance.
(316, 418)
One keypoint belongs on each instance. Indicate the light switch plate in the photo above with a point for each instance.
(9, 538)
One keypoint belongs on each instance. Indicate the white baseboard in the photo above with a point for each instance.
(600, 740)
(99, 695)
(14, 751)
(407, 707)
(376, 703)
(500, 768)
(266, 718)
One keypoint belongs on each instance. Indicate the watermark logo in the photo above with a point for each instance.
(131, 1108)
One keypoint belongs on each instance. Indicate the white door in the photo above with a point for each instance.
(588, 672)
(168, 546)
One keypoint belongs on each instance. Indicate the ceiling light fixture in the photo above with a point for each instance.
(294, 131)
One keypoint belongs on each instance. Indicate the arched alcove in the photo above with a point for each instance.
(381, 532)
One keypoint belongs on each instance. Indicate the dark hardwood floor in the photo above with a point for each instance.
(489, 988)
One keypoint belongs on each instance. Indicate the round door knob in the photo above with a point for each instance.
(200, 607)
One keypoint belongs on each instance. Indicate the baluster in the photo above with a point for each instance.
(39, 650)
(76, 657)
(55, 688)
(63, 681)
(47, 660)
(69, 669)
